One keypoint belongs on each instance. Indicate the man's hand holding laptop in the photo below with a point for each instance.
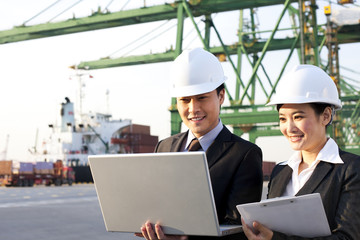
(148, 233)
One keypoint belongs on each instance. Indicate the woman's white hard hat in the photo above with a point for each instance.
(306, 84)
(195, 72)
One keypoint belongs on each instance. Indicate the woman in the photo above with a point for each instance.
(306, 101)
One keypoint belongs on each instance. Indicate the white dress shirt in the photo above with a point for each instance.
(207, 139)
(329, 153)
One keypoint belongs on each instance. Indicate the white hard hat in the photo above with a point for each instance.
(195, 72)
(306, 84)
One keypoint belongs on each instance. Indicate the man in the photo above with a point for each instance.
(235, 164)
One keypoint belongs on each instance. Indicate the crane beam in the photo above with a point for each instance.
(127, 61)
(277, 44)
(101, 20)
(346, 34)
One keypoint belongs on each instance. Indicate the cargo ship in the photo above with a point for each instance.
(93, 133)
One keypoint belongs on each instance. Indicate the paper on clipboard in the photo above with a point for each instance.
(300, 216)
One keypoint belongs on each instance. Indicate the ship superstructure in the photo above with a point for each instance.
(95, 133)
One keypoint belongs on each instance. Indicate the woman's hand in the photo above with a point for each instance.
(260, 231)
(148, 233)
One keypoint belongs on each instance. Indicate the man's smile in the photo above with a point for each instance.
(196, 119)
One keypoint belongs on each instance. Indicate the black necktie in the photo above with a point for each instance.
(194, 145)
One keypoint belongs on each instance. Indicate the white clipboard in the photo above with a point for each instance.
(302, 216)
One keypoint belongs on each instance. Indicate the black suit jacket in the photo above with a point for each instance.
(339, 187)
(235, 170)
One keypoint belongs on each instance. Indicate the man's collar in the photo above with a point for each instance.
(207, 139)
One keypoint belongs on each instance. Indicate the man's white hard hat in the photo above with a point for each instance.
(306, 84)
(195, 72)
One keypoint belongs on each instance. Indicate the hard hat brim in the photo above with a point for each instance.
(300, 100)
(193, 90)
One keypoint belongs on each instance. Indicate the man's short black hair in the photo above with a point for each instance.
(219, 88)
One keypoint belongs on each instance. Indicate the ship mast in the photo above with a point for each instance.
(107, 101)
(4, 152)
(79, 76)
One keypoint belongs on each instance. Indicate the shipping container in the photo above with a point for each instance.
(136, 129)
(5, 167)
(5, 171)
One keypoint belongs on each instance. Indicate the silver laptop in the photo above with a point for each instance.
(173, 189)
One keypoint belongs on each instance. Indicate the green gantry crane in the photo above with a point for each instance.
(244, 114)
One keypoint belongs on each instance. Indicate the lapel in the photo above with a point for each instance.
(178, 142)
(219, 146)
(280, 181)
(317, 176)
